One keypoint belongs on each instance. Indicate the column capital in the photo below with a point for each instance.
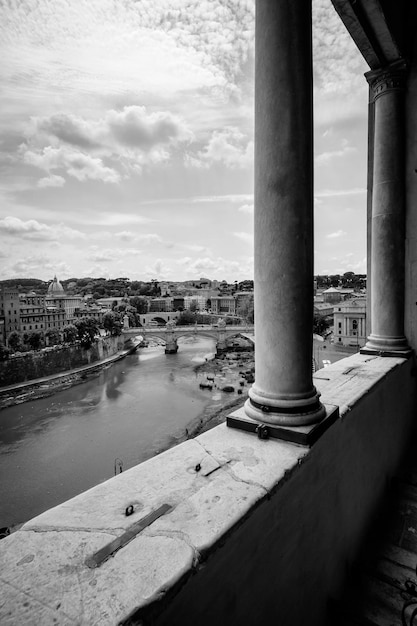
(387, 79)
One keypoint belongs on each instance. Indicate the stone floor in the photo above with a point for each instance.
(383, 585)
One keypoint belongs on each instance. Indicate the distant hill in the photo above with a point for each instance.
(26, 284)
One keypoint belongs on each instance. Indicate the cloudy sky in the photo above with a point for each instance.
(126, 140)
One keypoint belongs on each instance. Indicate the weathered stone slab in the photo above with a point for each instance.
(256, 461)
(67, 591)
(166, 478)
(345, 382)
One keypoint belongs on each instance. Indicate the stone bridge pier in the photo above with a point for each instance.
(171, 343)
(221, 345)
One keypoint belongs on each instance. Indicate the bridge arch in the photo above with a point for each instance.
(164, 317)
(161, 321)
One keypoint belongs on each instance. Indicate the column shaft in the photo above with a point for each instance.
(283, 392)
(388, 213)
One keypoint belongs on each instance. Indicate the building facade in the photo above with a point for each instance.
(199, 300)
(223, 305)
(350, 323)
(9, 311)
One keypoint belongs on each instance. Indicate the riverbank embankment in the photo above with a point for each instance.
(45, 386)
(234, 371)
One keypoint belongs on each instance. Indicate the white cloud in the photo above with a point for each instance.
(51, 181)
(30, 265)
(96, 149)
(246, 208)
(203, 264)
(226, 198)
(339, 86)
(158, 270)
(75, 163)
(219, 267)
(184, 261)
(118, 219)
(330, 193)
(229, 147)
(326, 157)
(100, 255)
(125, 235)
(95, 47)
(117, 132)
(336, 235)
(246, 237)
(32, 229)
(148, 238)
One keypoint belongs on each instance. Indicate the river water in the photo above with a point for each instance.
(54, 448)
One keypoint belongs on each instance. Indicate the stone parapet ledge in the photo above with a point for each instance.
(215, 484)
(345, 382)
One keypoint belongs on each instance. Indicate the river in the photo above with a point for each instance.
(54, 448)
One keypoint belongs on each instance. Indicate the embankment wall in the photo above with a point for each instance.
(22, 367)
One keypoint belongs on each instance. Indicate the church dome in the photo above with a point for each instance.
(55, 287)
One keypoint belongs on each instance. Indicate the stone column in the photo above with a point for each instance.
(283, 392)
(388, 213)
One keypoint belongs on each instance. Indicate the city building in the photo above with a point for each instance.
(332, 295)
(243, 300)
(325, 309)
(109, 302)
(336, 294)
(160, 305)
(196, 299)
(178, 303)
(350, 322)
(9, 311)
(96, 312)
(56, 297)
(223, 305)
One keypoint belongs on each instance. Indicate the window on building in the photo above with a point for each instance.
(340, 324)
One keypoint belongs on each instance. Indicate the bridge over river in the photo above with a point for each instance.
(171, 333)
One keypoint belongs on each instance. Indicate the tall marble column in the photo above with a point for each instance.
(283, 392)
(388, 213)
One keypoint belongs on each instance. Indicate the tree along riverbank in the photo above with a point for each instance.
(23, 367)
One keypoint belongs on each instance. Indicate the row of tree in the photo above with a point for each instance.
(348, 280)
(84, 331)
(104, 287)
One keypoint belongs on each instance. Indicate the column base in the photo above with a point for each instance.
(171, 350)
(302, 435)
(293, 411)
(387, 346)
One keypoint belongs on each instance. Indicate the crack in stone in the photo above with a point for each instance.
(176, 534)
(71, 529)
(225, 465)
(246, 481)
